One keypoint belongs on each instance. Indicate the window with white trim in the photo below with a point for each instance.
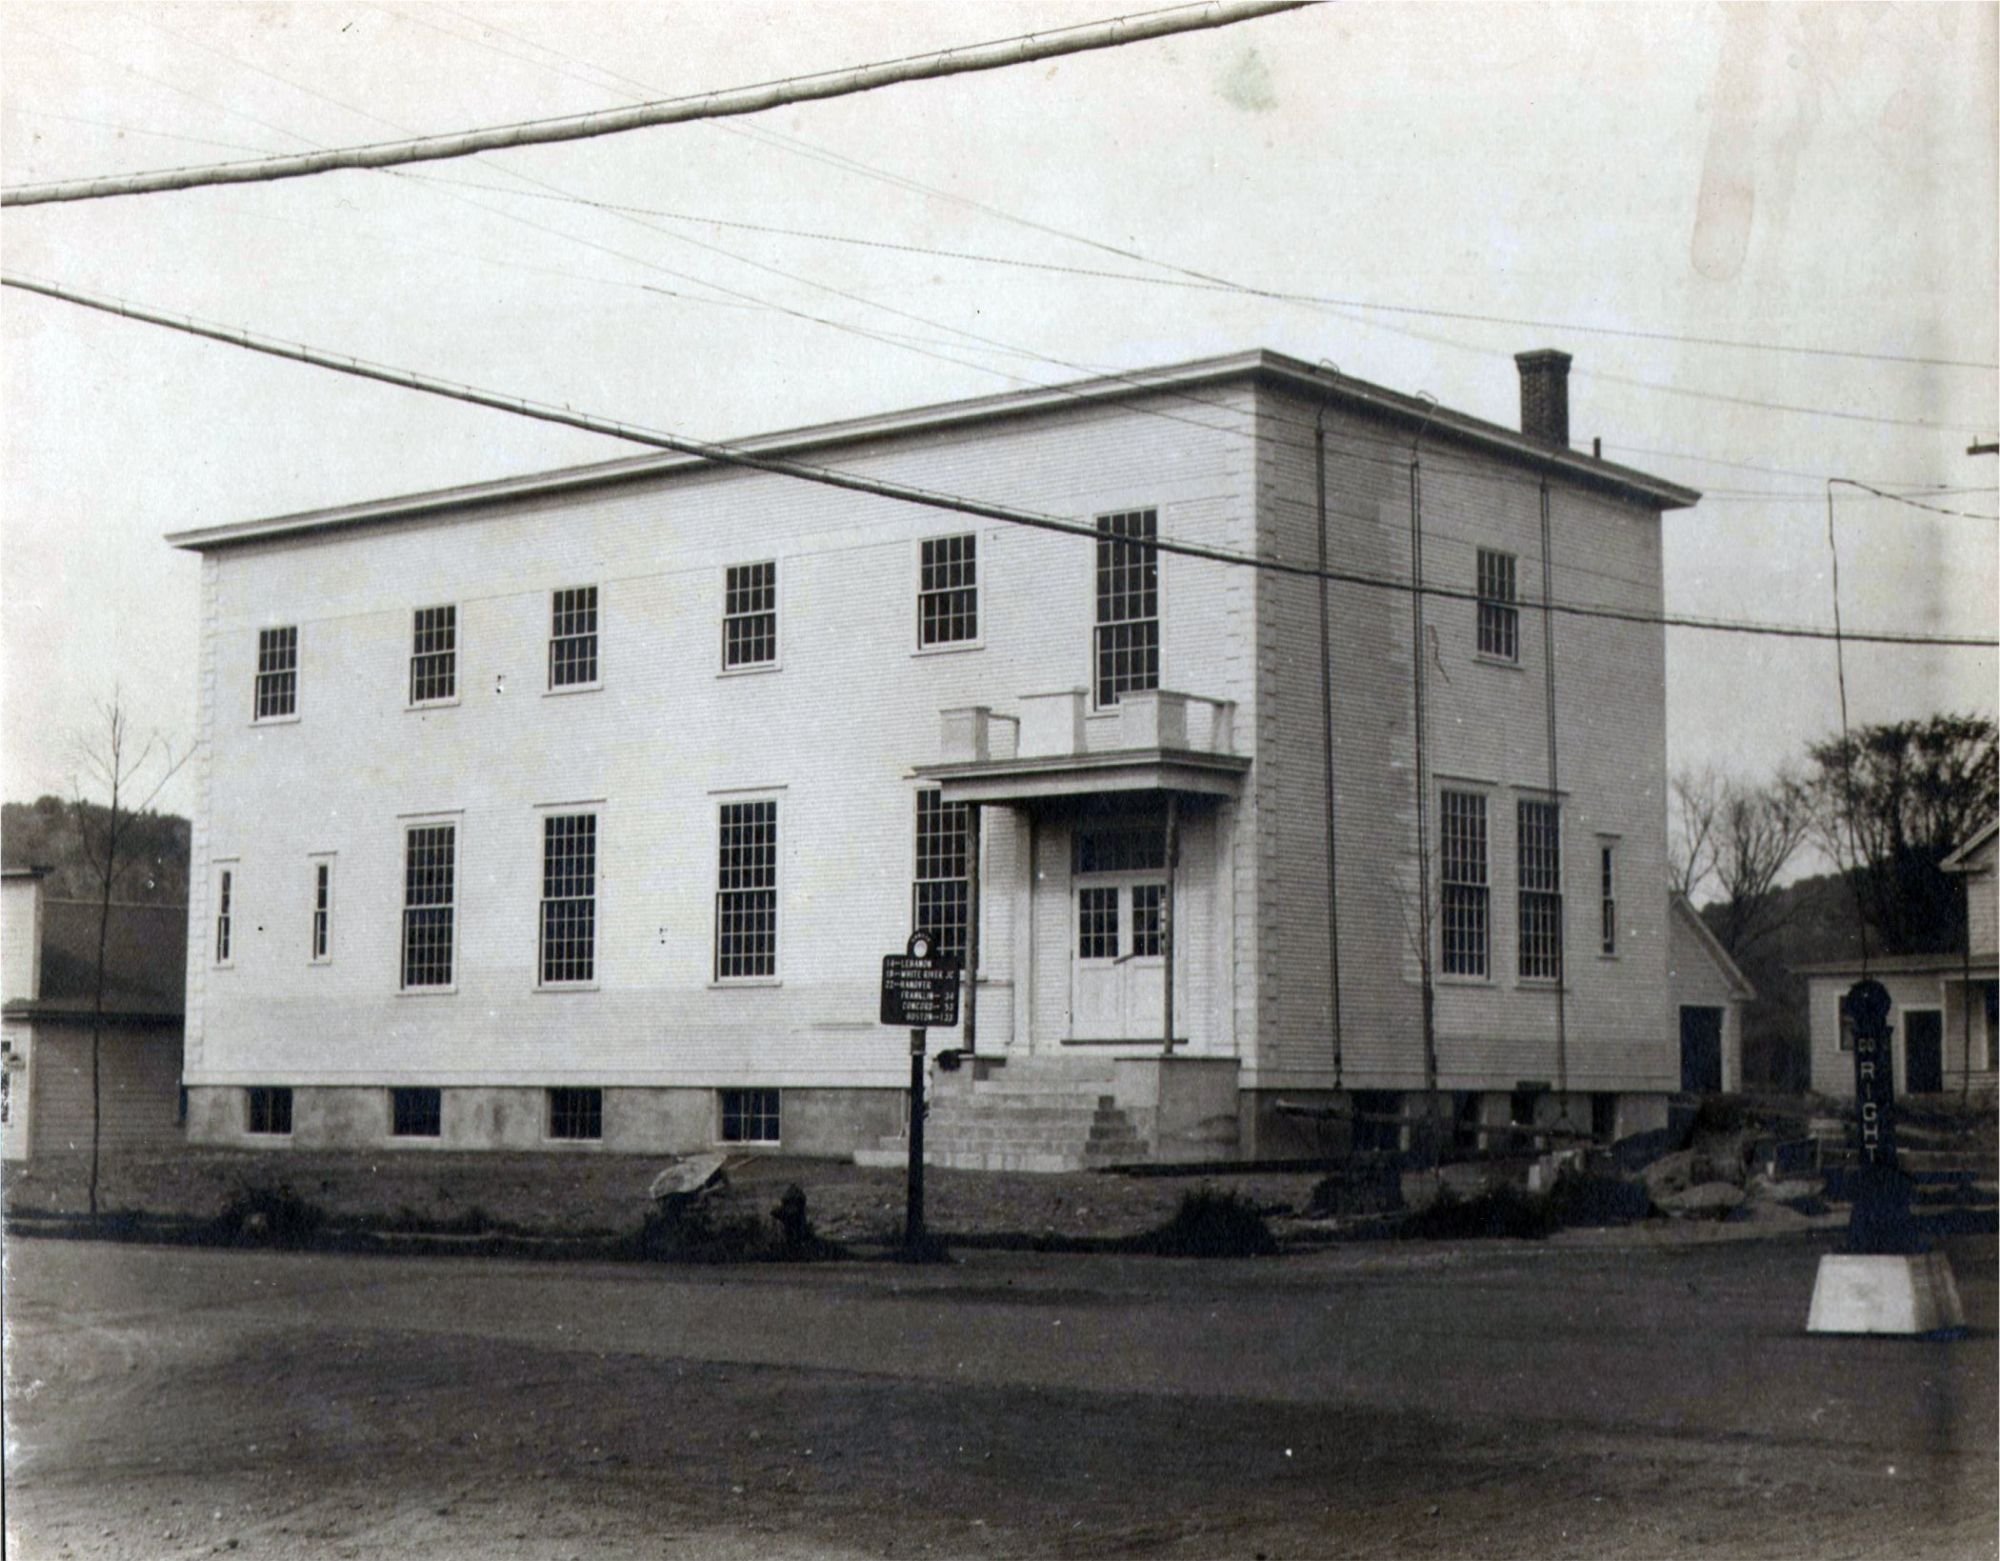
(277, 673)
(1499, 616)
(948, 590)
(225, 910)
(569, 899)
(746, 891)
(750, 615)
(573, 637)
(749, 1116)
(1464, 889)
(434, 655)
(430, 905)
(940, 896)
(322, 909)
(1607, 889)
(1539, 851)
(1127, 637)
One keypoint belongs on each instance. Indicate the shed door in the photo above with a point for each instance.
(1923, 1051)
(1701, 1051)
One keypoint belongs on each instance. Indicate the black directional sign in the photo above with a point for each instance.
(920, 987)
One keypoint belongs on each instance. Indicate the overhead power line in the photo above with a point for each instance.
(1275, 295)
(996, 55)
(730, 455)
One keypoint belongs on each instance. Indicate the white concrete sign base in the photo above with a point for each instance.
(1866, 1293)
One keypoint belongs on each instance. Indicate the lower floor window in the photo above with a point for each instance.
(749, 1116)
(270, 1110)
(416, 1113)
(576, 1113)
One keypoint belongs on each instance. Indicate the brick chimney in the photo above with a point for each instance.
(1545, 396)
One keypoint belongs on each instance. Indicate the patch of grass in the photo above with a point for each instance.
(1211, 1223)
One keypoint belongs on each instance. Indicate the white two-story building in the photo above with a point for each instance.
(581, 808)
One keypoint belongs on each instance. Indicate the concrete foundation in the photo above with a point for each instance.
(815, 1122)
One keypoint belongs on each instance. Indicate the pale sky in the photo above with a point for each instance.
(1817, 177)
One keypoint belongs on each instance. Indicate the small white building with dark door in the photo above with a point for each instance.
(578, 810)
(1945, 1014)
(1710, 993)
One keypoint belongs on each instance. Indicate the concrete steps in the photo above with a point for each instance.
(1026, 1114)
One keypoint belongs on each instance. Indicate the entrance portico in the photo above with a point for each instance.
(1118, 897)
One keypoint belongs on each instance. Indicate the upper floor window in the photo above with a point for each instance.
(1464, 892)
(1607, 882)
(322, 910)
(746, 892)
(750, 615)
(430, 904)
(573, 637)
(277, 673)
(569, 898)
(1499, 617)
(939, 897)
(225, 892)
(1540, 877)
(434, 655)
(1128, 604)
(948, 591)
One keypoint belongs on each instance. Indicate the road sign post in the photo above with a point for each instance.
(919, 989)
(1885, 1282)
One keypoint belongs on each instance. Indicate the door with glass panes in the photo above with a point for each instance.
(1117, 948)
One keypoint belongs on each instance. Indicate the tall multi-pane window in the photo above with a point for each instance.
(434, 655)
(1499, 617)
(225, 887)
(430, 902)
(750, 615)
(322, 911)
(940, 896)
(1540, 877)
(277, 673)
(569, 898)
(948, 590)
(1463, 883)
(746, 892)
(573, 637)
(1607, 883)
(1148, 932)
(1128, 604)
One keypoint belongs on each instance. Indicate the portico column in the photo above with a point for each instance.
(1167, 916)
(972, 927)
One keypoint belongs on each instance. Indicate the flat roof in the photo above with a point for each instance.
(1440, 425)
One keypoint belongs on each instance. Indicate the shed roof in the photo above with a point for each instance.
(145, 959)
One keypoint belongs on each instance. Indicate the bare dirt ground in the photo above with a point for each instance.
(548, 1194)
(1595, 1396)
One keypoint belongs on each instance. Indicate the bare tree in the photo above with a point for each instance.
(1737, 837)
(1891, 802)
(111, 758)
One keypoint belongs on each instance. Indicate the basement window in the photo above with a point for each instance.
(416, 1113)
(576, 1113)
(269, 1110)
(749, 1116)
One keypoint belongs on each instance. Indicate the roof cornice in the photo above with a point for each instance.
(1440, 424)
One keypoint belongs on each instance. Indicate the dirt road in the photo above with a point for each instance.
(1501, 1399)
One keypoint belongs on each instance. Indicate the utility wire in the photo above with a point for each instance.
(994, 55)
(1277, 295)
(736, 455)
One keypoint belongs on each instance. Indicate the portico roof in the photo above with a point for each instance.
(1086, 774)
